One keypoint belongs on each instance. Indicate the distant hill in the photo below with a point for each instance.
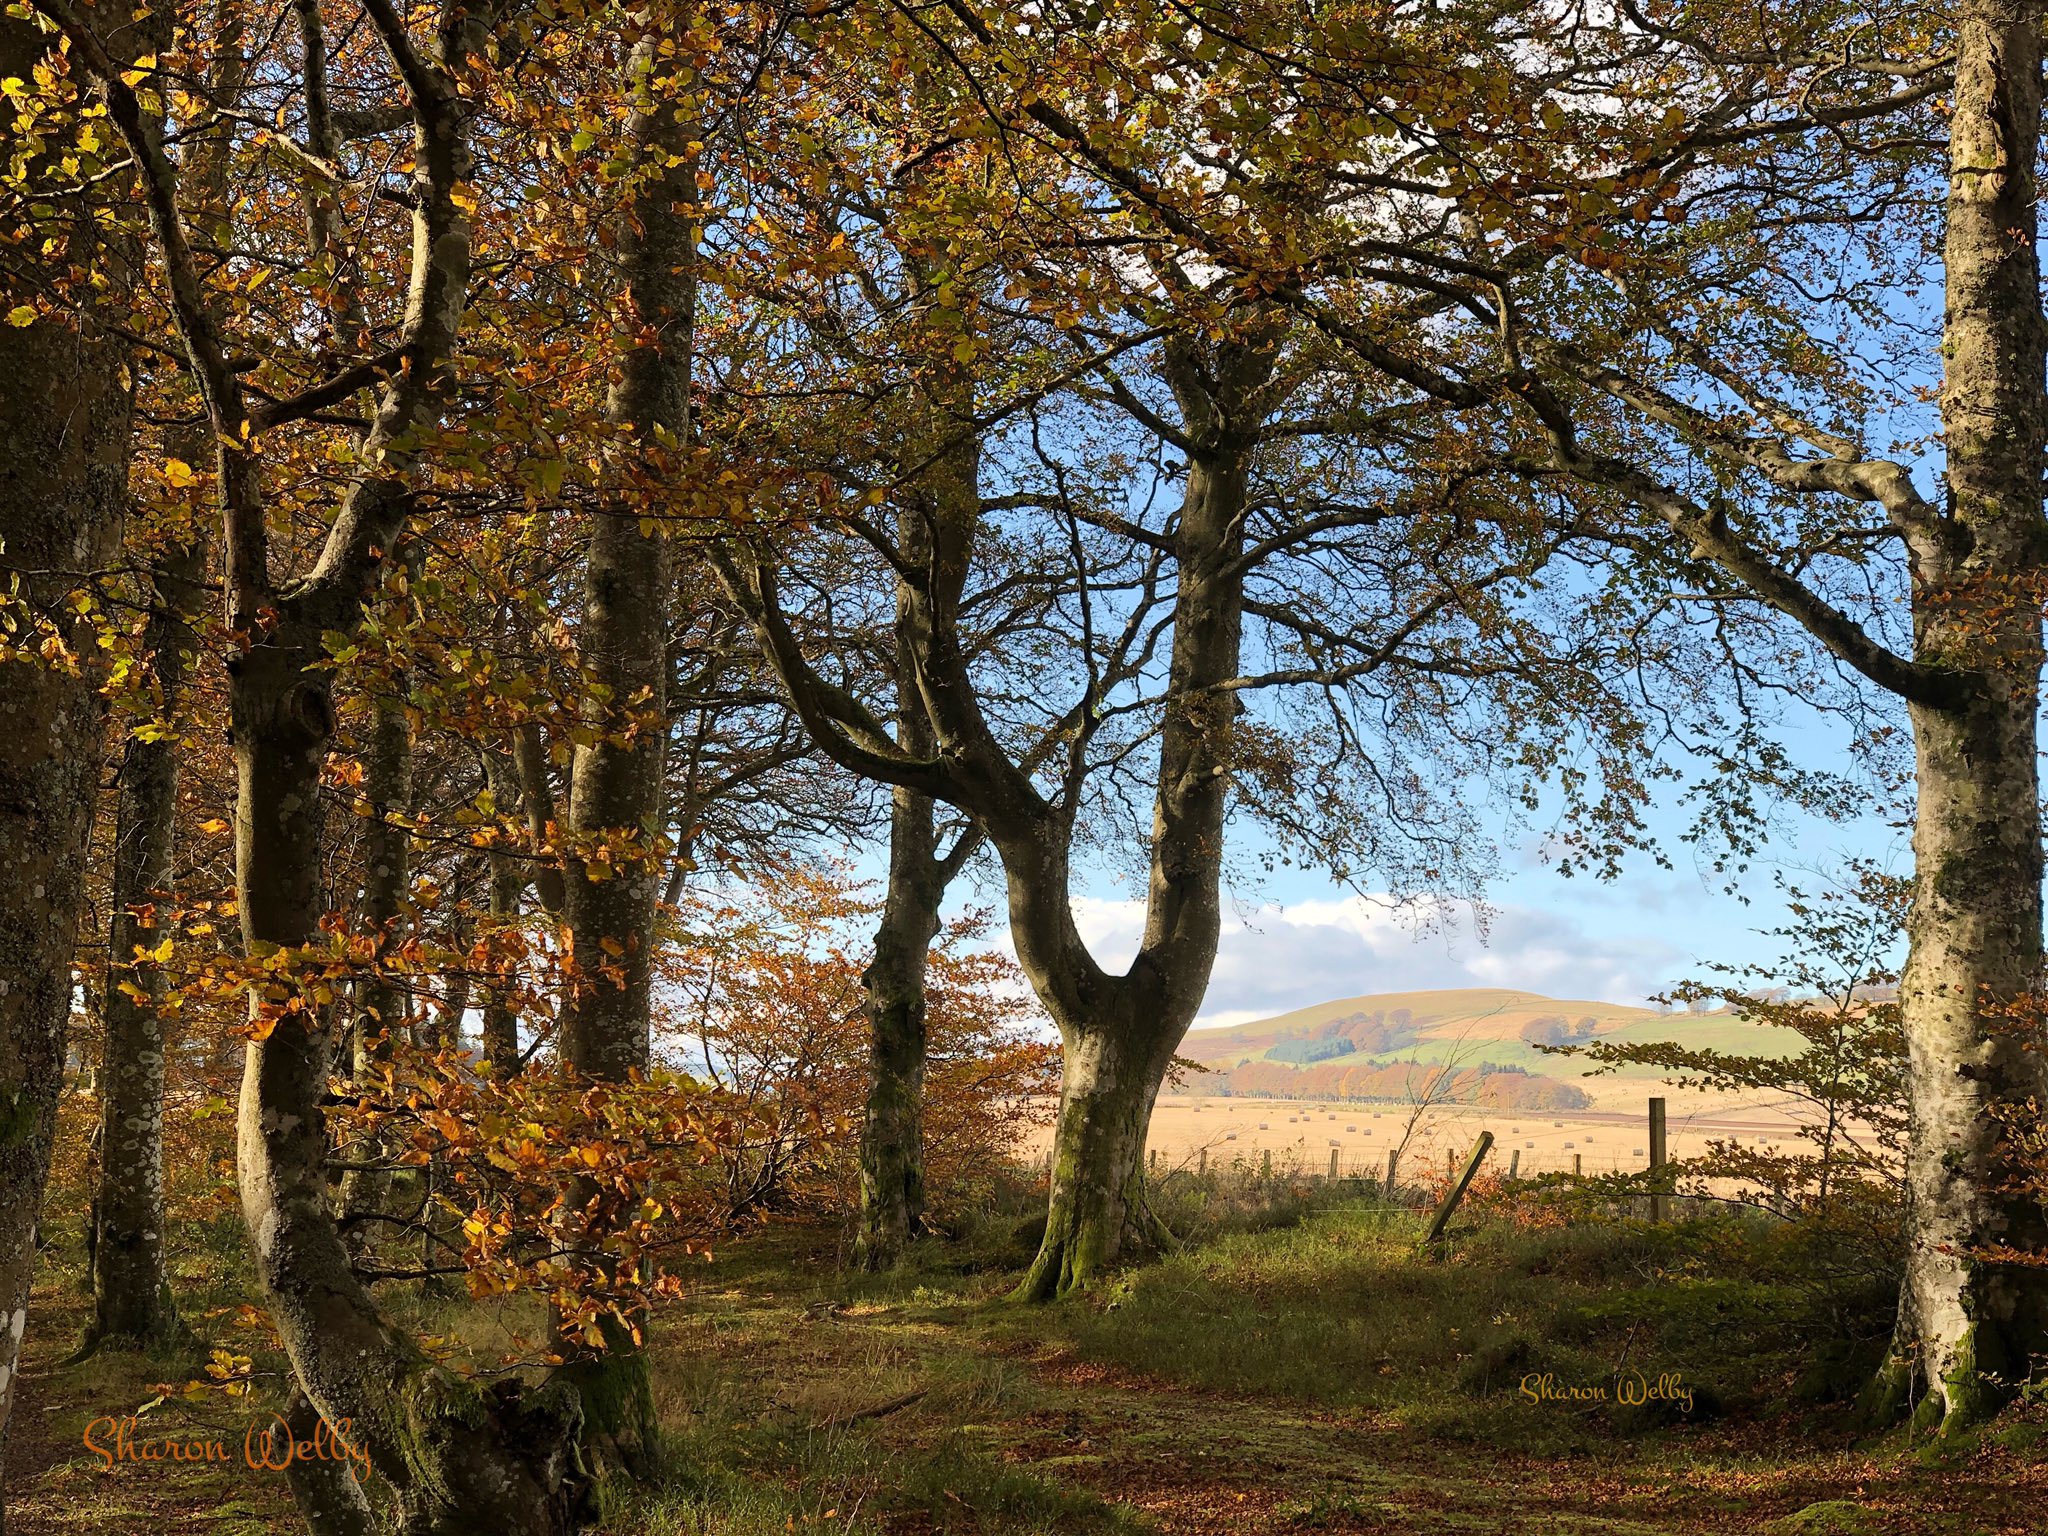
(1374, 1047)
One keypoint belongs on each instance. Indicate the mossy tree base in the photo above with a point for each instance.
(1096, 1210)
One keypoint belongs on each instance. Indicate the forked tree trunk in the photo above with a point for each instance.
(458, 1458)
(131, 1281)
(1120, 1032)
(1096, 1208)
(1970, 1329)
(893, 998)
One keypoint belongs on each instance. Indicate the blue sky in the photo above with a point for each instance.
(1300, 939)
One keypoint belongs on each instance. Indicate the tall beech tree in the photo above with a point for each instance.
(1159, 632)
(925, 447)
(68, 412)
(455, 1457)
(1665, 246)
(1970, 1327)
(131, 1284)
(1348, 583)
(66, 406)
(617, 823)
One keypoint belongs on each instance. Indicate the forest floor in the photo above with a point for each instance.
(1316, 1376)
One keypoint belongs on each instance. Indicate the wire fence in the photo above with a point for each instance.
(1424, 1160)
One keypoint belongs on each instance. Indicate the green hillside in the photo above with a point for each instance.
(1475, 1026)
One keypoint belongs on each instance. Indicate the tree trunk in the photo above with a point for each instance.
(1970, 1330)
(382, 999)
(131, 1284)
(330, 1497)
(536, 799)
(459, 1459)
(498, 1025)
(1120, 1033)
(65, 416)
(945, 449)
(615, 835)
(1108, 1085)
(440, 1227)
(892, 1131)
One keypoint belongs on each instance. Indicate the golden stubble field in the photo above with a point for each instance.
(1301, 1133)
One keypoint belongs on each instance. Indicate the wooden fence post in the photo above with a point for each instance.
(1393, 1161)
(1514, 1165)
(1658, 1207)
(1333, 1165)
(1202, 1161)
(1457, 1190)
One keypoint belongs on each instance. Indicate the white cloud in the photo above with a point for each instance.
(1276, 958)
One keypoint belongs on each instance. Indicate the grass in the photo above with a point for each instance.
(1338, 1312)
(1296, 1367)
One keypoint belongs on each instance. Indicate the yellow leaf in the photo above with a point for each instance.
(178, 472)
(21, 315)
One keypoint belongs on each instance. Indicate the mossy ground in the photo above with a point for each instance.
(1316, 1376)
